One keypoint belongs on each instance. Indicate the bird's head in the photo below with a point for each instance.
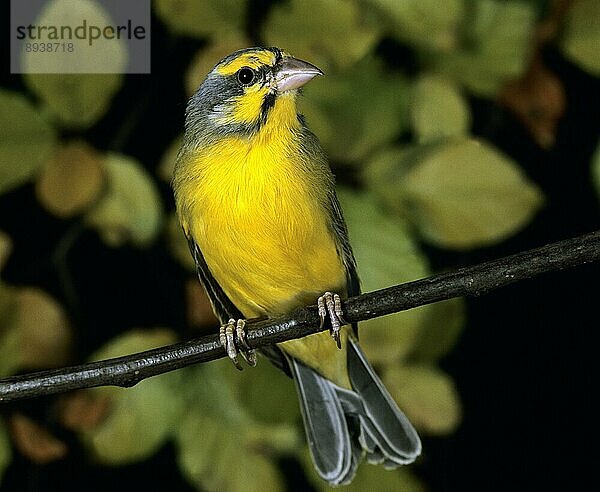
(239, 94)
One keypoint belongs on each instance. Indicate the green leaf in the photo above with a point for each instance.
(460, 194)
(216, 391)
(77, 91)
(442, 327)
(386, 255)
(5, 248)
(208, 389)
(44, 329)
(134, 341)
(202, 18)
(423, 23)
(103, 55)
(131, 210)
(266, 392)
(26, 140)
(426, 395)
(356, 111)
(496, 45)
(71, 180)
(212, 457)
(368, 477)
(142, 417)
(34, 330)
(221, 446)
(75, 100)
(5, 455)
(328, 33)
(386, 480)
(10, 339)
(438, 109)
(581, 36)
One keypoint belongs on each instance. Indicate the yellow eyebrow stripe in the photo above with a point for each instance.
(253, 60)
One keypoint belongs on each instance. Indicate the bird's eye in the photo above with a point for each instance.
(246, 76)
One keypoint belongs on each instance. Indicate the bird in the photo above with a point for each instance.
(256, 199)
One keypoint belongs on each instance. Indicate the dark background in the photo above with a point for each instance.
(525, 365)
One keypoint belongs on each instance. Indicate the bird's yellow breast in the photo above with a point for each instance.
(255, 207)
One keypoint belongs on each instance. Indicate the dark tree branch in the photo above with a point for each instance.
(469, 281)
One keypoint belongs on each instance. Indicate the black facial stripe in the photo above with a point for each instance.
(262, 75)
(278, 55)
(267, 104)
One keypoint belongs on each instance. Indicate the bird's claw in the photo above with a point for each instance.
(227, 339)
(330, 304)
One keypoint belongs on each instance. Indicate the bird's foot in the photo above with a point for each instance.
(227, 339)
(330, 304)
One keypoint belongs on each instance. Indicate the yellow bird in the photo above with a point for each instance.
(256, 199)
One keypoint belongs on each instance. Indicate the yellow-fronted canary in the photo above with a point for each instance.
(256, 199)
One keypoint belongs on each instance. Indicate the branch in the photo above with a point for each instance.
(470, 281)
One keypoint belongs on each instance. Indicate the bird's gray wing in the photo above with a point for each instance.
(340, 231)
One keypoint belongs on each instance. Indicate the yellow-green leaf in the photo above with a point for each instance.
(79, 94)
(368, 477)
(423, 23)
(438, 109)
(460, 194)
(202, 18)
(5, 454)
(10, 340)
(581, 36)
(386, 480)
(131, 210)
(71, 180)
(215, 391)
(34, 330)
(327, 33)
(427, 396)
(26, 140)
(442, 326)
(142, 417)
(103, 55)
(134, 341)
(44, 329)
(356, 111)
(496, 45)
(217, 431)
(213, 456)
(75, 100)
(266, 392)
(5, 248)
(386, 255)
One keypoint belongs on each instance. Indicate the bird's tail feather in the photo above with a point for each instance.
(326, 429)
(388, 426)
(341, 424)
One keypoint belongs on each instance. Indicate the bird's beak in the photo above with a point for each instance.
(293, 74)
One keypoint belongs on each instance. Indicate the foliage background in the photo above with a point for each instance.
(458, 134)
